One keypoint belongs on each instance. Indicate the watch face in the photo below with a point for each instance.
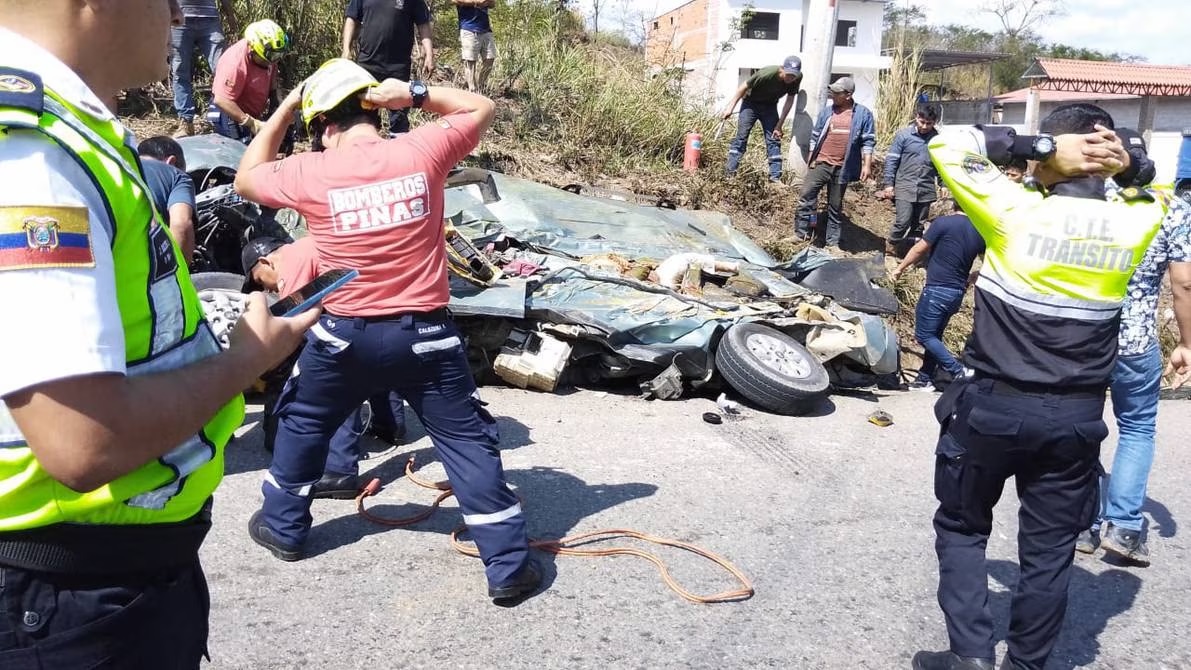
(1044, 145)
(417, 88)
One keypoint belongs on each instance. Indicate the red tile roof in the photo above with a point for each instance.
(1105, 77)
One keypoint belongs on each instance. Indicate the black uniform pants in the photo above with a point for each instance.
(146, 621)
(1050, 444)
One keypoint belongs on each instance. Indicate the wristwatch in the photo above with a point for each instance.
(417, 93)
(1043, 147)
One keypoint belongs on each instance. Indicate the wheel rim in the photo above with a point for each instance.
(778, 355)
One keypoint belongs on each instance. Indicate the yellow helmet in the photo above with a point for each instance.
(267, 39)
(332, 83)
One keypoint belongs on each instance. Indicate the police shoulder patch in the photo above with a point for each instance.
(21, 89)
(1133, 193)
(45, 237)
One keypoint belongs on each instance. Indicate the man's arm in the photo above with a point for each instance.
(88, 431)
(252, 184)
(350, 27)
(917, 252)
(426, 40)
(892, 160)
(1180, 358)
(868, 144)
(740, 91)
(182, 228)
(781, 120)
(440, 100)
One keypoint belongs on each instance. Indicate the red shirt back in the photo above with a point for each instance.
(376, 205)
(243, 81)
(297, 267)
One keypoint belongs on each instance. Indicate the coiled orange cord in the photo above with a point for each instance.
(568, 546)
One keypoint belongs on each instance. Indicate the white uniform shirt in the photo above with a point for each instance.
(55, 322)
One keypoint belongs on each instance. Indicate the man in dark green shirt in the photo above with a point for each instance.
(760, 95)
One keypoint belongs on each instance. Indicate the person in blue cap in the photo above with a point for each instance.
(758, 97)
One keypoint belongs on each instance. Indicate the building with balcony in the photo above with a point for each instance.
(717, 44)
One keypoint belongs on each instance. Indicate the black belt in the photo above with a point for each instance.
(95, 549)
(1016, 388)
(440, 314)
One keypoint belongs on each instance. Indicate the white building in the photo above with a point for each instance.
(717, 50)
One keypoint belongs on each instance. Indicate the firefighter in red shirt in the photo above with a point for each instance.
(376, 205)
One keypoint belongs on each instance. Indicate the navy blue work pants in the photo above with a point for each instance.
(149, 621)
(1050, 444)
(422, 358)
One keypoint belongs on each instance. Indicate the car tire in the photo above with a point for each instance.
(771, 369)
(226, 281)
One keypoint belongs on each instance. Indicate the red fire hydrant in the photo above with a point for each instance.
(693, 152)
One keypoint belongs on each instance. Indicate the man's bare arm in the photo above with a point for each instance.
(90, 430)
(916, 253)
(182, 227)
(349, 35)
(394, 94)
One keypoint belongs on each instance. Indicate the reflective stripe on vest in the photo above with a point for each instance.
(163, 330)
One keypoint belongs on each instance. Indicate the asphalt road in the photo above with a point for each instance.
(829, 516)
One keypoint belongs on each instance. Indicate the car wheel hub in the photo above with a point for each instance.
(778, 356)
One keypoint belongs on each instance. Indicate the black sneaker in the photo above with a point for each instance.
(921, 386)
(527, 580)
(260, 534)
(948, 660)
(1126, 543)
(338, 487)
(1088, 541)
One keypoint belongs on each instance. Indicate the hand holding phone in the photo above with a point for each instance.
(312, 294)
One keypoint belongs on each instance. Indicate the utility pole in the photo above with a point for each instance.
(817, 51)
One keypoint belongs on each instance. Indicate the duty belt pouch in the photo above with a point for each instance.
(945, 405)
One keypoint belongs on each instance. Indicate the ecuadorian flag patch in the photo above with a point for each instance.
(45, 237)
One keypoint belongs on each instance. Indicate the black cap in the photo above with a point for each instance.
(251, 254)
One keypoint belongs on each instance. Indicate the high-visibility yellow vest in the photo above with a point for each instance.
(1056, 267)
(163, 330)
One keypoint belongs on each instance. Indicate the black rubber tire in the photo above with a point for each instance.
(760, 383)
(228, 281)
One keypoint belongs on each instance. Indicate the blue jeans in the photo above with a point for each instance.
(750, 114)
(936, 306)
(203, 35)
(1135, 384)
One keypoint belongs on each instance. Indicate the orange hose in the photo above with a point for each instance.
(567, 546)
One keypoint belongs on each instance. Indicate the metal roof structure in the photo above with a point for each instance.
(1057, 74)
(934, 60)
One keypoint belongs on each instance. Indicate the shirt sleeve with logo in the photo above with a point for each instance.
(57, 284)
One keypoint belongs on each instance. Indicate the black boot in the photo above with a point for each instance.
(527, 580)
(947, 660)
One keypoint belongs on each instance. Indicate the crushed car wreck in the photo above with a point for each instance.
(556, 288)
(671, 298)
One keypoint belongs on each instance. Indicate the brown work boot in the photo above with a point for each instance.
(185, 129)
